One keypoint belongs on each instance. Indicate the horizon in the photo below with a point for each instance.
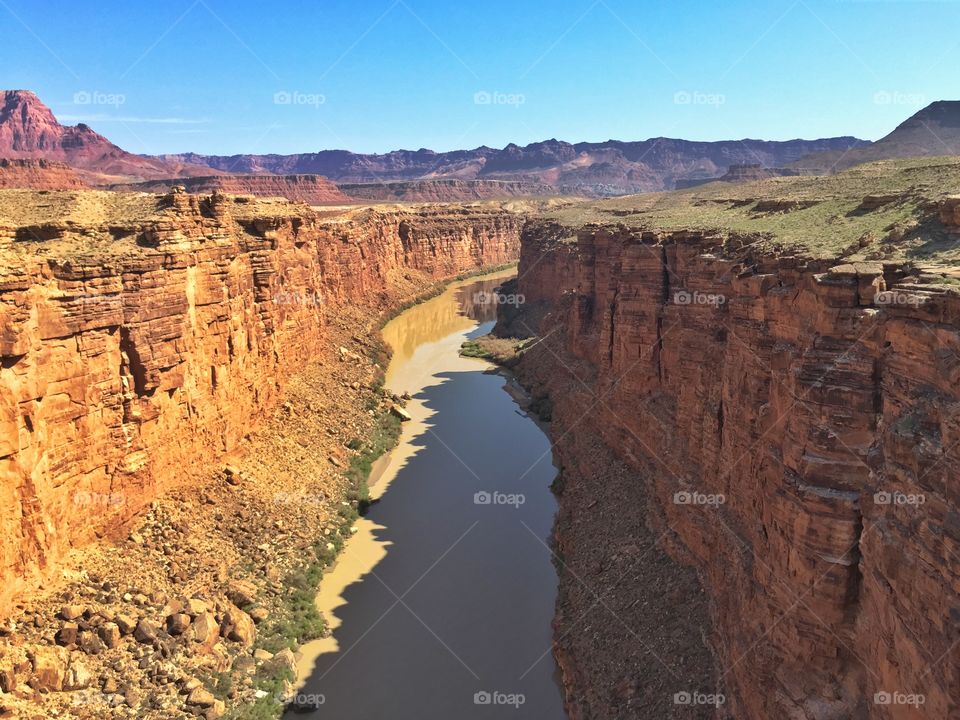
(214, 79)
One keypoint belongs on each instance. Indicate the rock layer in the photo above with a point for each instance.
(166, 328)
(309, 189)
(796, 421)
(39, 175)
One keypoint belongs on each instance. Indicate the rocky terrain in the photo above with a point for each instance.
(29, 130)
(308, 189)
(39, 175)
(776, 364)
(190, 397)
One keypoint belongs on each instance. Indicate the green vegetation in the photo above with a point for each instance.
(383, 437)
(816, 216)
(502, 351)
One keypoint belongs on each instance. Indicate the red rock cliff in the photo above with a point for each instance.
(39, 175)
(818, 404)
(165, 327)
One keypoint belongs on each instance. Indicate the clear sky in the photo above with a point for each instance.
(247, 76)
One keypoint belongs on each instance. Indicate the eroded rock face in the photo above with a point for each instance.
(39, 175)
(309, 189)
(154, 343)
(796, 422)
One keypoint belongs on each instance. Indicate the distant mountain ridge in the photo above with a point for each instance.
(30, 131)
(607, 168)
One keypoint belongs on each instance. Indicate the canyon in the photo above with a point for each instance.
(753, 398)
(786, 411)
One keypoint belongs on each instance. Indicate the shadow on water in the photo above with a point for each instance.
(454, 618)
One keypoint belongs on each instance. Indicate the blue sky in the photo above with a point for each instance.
(219, 76)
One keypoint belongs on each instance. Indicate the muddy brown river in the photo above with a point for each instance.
(440, 606)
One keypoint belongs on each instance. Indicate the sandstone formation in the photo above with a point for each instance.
(38, 175)
(308, 189)
(141, 335)
(793, 417)
(446, 190)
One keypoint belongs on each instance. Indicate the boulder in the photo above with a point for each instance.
(67, 635)
(238, 626)
(241, 593)
(78, 675)
(204, 629)
(145, 632)
(178, 623)
(201, 697)
(49, 668)
(126, 623)
(110, 634)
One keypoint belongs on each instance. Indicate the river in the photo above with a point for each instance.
(440, 606)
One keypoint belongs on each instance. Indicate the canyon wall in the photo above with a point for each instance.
(38, 174)
(309, 189)
(795, 423)
(136, 346)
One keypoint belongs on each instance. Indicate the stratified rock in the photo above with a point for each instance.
(788, 419)
(182, 307)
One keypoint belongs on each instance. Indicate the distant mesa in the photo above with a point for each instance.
(309, 189)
